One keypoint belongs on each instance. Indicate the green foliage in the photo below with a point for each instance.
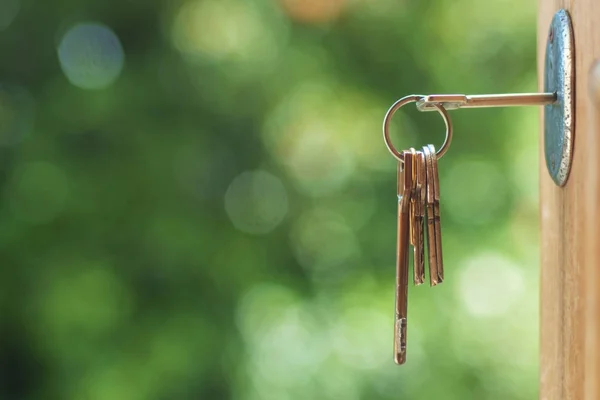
(197, 202)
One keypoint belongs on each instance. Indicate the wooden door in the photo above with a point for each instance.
(570, 224)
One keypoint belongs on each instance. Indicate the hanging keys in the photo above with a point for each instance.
(430, 199)
(436, 215)
(418, 202)
(419, 194)
(433, 227)
(406, 185)
(418, 213)
(418, 175)
(412, 201)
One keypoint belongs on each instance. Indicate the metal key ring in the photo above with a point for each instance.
(411, 99)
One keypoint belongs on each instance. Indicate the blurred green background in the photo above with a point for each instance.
(197, 202)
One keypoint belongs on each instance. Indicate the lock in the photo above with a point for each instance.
(559, 117)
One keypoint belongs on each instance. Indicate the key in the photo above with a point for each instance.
(418, 213)
(413, 205)
(431, 233)
(437, 219)
(405, 191)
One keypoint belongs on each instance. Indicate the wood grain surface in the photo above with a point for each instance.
(570, 227)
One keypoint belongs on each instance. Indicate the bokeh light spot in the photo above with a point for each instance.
(489, 285)
(8, 12)
(39, 194)
(284, 338)
(226, 30)
(259, 304)
(479, 191)
(79, 301)
(320, 132)
(319, 165)
(291, 349)
(91, 56)
(313, 11)
(359, 338)
(112, 381)
(324, 243)
(256, 202)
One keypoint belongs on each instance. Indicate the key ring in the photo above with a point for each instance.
(412, 99)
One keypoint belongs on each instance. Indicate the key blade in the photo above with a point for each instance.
(437, 218)
(405, 174)
(431, 232)
(419, 211)
(400, 341)
(413, 204)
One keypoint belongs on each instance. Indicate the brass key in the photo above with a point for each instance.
(431, 232)
(413, 205)
(405, 191)
(436, 214)
(418, 213)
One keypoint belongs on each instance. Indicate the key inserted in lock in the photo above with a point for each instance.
(557, 99)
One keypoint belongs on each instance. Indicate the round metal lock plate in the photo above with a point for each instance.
(559, 118)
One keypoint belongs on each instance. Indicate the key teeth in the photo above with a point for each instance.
(435, 282)
(400, 341)
(419, 279)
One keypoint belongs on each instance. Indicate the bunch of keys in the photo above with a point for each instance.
(418, 215)
(418, 202)
(419, 194)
